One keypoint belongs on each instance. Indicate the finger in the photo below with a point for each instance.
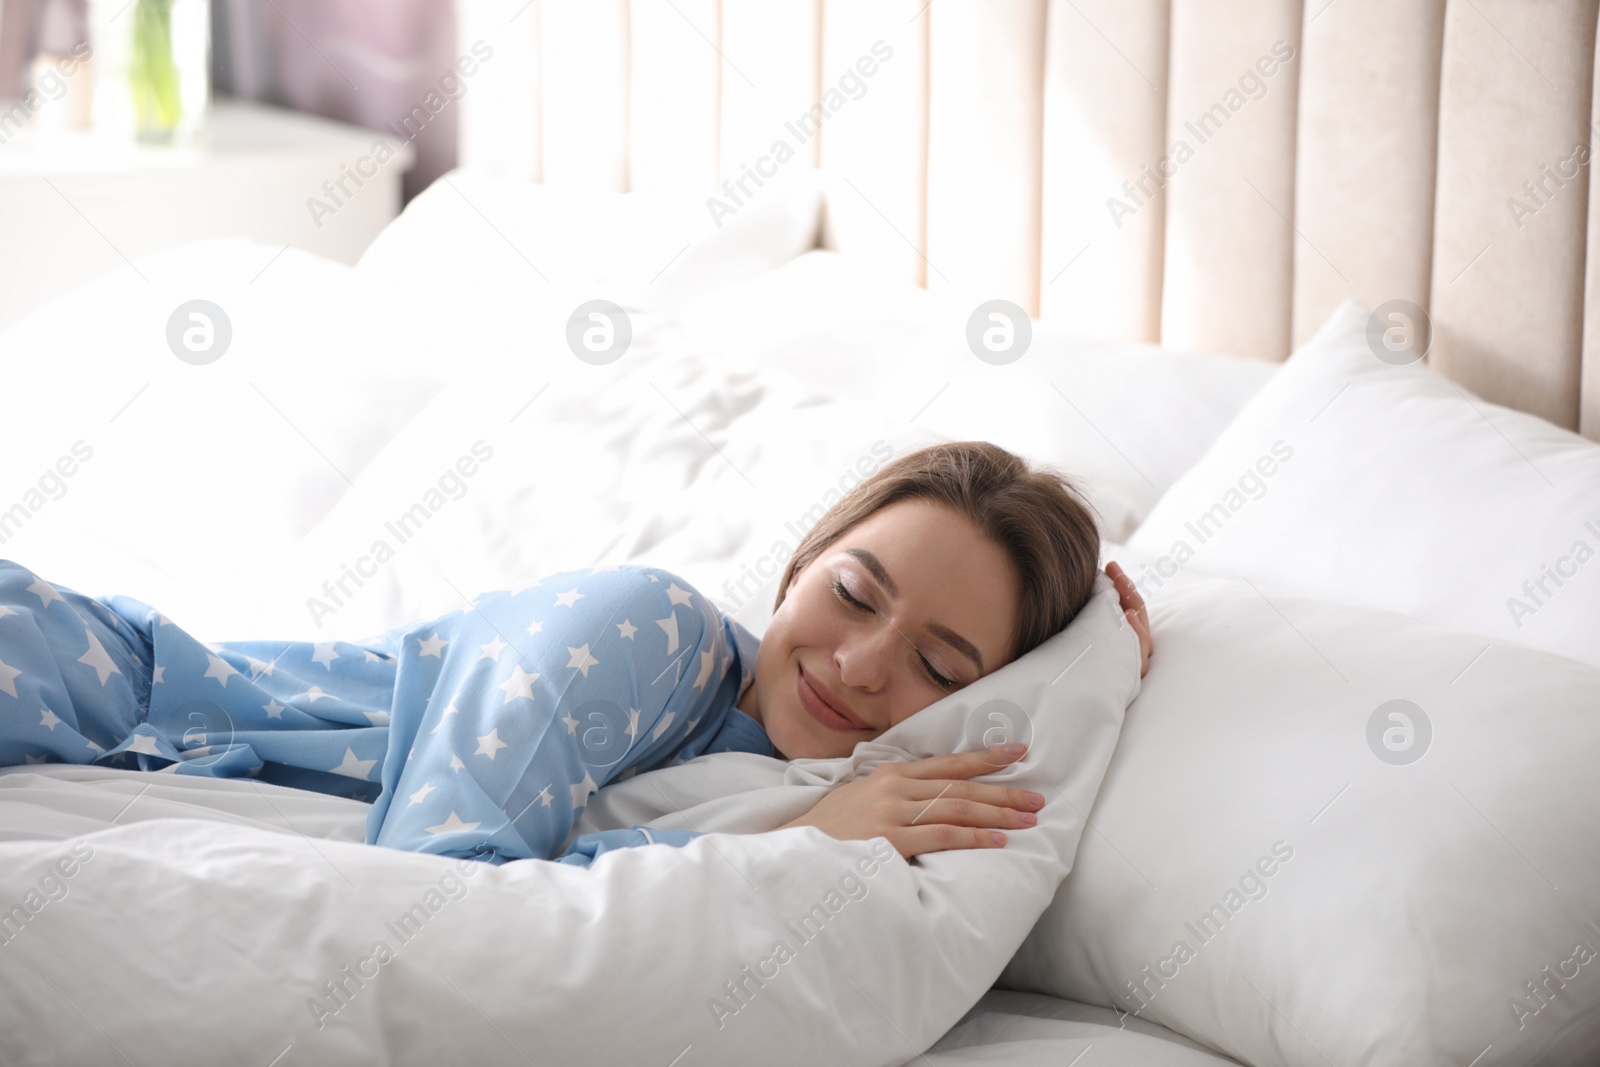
(926, 791)
(961, 764)
(958, 812)
(942, 837)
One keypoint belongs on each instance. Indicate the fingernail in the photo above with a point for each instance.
(1028, 816)
(999, 838)
(1036, 800)
(1016, 749)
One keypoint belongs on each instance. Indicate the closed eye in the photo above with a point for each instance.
(843, 593)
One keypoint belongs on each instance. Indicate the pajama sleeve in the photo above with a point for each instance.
(536, 698)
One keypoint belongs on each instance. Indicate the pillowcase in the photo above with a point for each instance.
(665, 458)
(1333, 834)
(241, 934)
(1351, 478)
(133, 471)
(1122, 419)
(483, 267)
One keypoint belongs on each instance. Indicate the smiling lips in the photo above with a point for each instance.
(817, 705)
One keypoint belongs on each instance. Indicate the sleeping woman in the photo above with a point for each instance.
(483, 733)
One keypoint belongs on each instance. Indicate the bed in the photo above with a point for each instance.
(1349, 816)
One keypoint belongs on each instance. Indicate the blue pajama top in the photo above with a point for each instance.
(480, 734)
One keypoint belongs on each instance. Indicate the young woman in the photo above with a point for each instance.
(483, 733)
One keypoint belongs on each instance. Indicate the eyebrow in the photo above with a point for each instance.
(949, 636)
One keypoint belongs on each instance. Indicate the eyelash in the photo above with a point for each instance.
(844, 594)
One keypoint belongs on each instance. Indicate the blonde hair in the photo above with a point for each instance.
(1036, 514)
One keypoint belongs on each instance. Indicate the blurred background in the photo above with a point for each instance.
(159, 122)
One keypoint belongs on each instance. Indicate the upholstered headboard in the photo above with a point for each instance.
(1213, 175)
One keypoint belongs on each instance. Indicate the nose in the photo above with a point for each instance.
(863, 658)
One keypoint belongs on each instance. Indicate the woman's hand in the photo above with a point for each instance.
(927, 805)
(1133, 608)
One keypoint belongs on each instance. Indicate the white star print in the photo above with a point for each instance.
(45, 592)
(422, 794)
(633, 723)
(490, 743)
(143, 743)
(273, 709)
(678, 596)
(581, 659)
(456, 764)
(519, 685)
(8, 677)
(99, 659)
(315, 694)
(354, 768)
(155, 676)
(493, 649)
(259, 667)
(4, 611)
(661, 727)
(451, 710)
(49, 719)
(581, 791)
(569, 598)
(433, 646)
(377, 718)
(670, 625)
(325, 654)
(220, 669)
(535, 627)
(452, 825)
(707, 659)
(627, 629)
(544, 797)
(572, 724)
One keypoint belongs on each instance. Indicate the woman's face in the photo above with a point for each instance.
(940, 599)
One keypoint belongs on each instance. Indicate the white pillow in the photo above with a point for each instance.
(883, 955)
(1352, 478)
(1363, 910)
(135, 472)
(482, 266)
(682, 461)
(1123, 419)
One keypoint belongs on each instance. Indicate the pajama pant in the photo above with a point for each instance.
(480, 734)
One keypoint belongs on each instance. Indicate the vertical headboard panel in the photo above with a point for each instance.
(584, 60)
(673, 93)
(1507, 300)
(769, 85)
(1105, 133)
(499, 125)
(1212, 175)
(1589, 398)
(877, 147)
(1364, 181)
(985, 126)
(1229, 243)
